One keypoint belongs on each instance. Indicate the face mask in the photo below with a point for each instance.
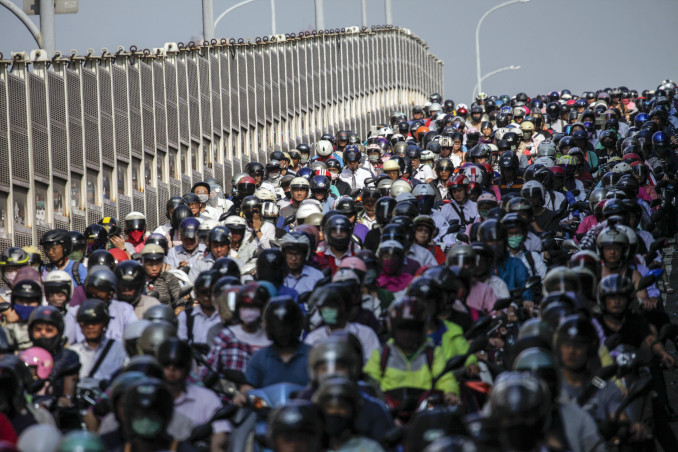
(249, 315)
(146, 427)
(336, 426)
(136, 236)
(330, 315)
(10, 277)
(304, 159)
(334, 175)
(391, 265)
(49, 344)
(484, 213)
(515, 241)
(273, 176)
(76, 256)
(23, 311)
(203, 198)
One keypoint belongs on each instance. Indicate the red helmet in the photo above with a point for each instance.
(458, 181)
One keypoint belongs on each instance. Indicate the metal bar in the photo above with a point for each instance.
(23, 17)
(47, 27)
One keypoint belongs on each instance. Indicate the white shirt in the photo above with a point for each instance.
(201, 324)
(121, 314)
(199, 405)
(178, 253)
(163, 229)
(367, 221)
(422, 255)
(368, 338)
(424, 173)
(267, 234)
(89, 356)
(558, 199)
(360, 175)
(469, 209)
(256, 340)
(539, 264)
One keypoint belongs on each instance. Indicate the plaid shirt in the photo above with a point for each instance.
(227, 353)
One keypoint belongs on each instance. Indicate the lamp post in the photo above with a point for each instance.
(490, 74)
(209, 24)
(364, 2)
(388, 9)
(319, 15)
(480, 22)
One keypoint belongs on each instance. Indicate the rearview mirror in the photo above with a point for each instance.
(570, 245)
(502, 304)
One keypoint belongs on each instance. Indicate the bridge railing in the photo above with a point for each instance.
(87, 136)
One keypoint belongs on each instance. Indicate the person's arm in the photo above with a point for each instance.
(373, 366)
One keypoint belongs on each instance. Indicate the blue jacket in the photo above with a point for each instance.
(515, 274)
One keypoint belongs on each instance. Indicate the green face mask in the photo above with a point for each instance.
(146, 427)
(484, 213)
(330, 315)
(76, 256)
(515, 241)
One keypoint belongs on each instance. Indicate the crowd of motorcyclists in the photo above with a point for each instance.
(463, 278)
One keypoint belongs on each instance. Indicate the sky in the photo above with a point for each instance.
(580, 45)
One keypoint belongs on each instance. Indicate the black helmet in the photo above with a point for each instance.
(96, 237)
(95, 311)
(508, 160)
(338, 231)
(111, 225)
(58, 237)
(189, 228)
(180, 214)
(15, 378)
(145, 364)
(6, 347)
(26, 289)
(78, 242)
(249, 206)
(226, 267)
(576, 329)
(296, 417)
(408, 208)
(339, 389)
(14, 257)
(101, 257)
(160, 240)
(491, 230)
(205, 281)
(254, 169)
(540, 363)
(346, 206)
(614, 285)
(172, 204)
(101, 278)
(149, 407)
(629, 184)
(155, 334)
(320, 184)
(219, 234)
(523, 401)
(131, 277)
(271, 266)
(161, 312)
(383, 209)
(284, 321)
(52, 316)
(175, 352)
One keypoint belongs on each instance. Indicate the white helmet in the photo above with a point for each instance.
(299, 182)
(546, 161)
(427, 156)
(532, 186)
(324, 148)
(135, 216)
(235, 221)
(269, 209)
(405, 197)
(435, 107)
(500, 132)
(305, 210)
(264, 194)
(133, 330)
(208, 224)
(59, 278)
(547, 148)
(423, 190)
(399, 186)
(474, 174)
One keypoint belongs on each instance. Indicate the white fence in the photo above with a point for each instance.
(82, 137)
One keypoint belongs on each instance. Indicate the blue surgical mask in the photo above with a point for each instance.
(23, 311)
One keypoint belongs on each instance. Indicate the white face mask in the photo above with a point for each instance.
(203, 198)
(249, 315)
(334, 175)
(273, 176)
(10, 276)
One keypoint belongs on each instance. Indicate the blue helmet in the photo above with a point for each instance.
(305, 173)
(189, 227)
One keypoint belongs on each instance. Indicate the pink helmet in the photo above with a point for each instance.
(40, 359)
(354, 263)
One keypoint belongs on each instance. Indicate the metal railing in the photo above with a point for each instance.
(87, 136)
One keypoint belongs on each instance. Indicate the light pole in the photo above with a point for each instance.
(209, 24)
(388, 9)
(480, 22)
(364, 13)
(490, 74)
(319, 15)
